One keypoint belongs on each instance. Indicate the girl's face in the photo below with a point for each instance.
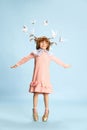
(43, 45)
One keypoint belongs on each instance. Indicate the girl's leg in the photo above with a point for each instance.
(46, 103)
(35, 102)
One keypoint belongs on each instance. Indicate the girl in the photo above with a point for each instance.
(40, 83)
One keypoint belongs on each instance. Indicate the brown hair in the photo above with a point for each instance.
(40, 39)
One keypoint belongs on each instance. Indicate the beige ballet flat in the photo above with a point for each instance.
(35, 115)
(45, 117)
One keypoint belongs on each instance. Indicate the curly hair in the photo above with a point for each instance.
(40, 39)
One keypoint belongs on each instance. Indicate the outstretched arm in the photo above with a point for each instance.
(23, 60)
(58, 61)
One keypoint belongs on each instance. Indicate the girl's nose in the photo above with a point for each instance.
(44, 42)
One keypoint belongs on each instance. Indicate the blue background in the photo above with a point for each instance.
(68, 103)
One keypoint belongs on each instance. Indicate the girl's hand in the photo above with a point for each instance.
(14, 66)
(67, 66)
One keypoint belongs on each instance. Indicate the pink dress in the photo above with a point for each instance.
(41, 78)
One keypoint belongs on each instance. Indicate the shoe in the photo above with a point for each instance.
(45, 116)
(35, 115)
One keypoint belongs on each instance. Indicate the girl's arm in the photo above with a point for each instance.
(58, 61)
(23, 60)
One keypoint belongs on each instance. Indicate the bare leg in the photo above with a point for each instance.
(46, 103)
(35, 102)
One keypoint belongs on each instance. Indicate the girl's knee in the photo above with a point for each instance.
(35, 94)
